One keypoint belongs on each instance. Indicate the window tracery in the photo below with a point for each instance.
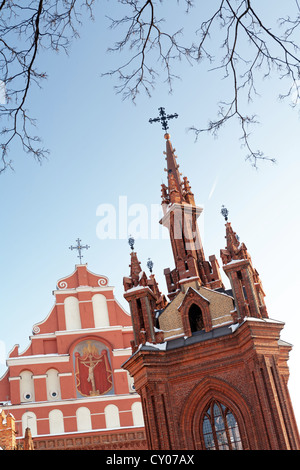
(220, 429)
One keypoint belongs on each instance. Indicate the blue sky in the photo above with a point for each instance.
(103, 148)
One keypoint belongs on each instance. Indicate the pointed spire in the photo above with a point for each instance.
(135, 268)
(180, 218)
(28, 441)
(189, 196)
(245, 282)
(174, 178)
(235, 250)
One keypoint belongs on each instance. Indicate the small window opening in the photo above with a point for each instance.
(196, 318)
(140, 313)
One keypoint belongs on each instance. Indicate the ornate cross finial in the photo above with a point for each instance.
(224, 213)
(163, 118)
(79, 247)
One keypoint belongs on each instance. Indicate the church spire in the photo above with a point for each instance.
(244, 278)
(180, 217)
(145, 299)
(175, 185)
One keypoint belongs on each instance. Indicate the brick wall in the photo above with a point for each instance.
(7, 431)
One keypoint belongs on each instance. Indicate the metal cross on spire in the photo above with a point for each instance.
(163, 118)
(79, 247)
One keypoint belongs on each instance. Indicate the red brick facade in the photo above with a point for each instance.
(68, 386)
(209, 365)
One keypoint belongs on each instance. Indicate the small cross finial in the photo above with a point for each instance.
(79, 247)
(163, 118)
(224, 213)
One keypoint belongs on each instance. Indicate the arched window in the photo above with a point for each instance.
(83, 416)
(220, 429)
(29, 421)
(72, 313)
(53, 385)
(26, 386)
(195, 318)
(100, 311)
(56, 422)
(112, 418)
(137, 414)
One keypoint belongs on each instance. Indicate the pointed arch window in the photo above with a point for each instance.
(196, 318)
(220, 429)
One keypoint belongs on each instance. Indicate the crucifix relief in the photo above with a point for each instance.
(91, 364)
(92, 369)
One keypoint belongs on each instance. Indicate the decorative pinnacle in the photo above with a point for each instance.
(150, 265)
(131, 242)
(163, 118)
(79, 247)
(224, 213)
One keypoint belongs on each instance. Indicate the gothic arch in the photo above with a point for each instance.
(194, 298)
(195, 318)
(206, 390)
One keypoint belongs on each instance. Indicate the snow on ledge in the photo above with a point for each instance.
(161, 346)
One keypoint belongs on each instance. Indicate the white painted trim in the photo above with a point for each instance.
(81, 331)
(93, 330)
(38, 359)
(86, 301)
(43, 335)
(89, 431)
(74, 290)
(122, 352)
(110, 399)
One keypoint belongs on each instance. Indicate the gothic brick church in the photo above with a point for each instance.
(209, 365)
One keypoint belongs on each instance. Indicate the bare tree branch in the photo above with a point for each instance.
(241, 25)
(27, 27)
(246, 46)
